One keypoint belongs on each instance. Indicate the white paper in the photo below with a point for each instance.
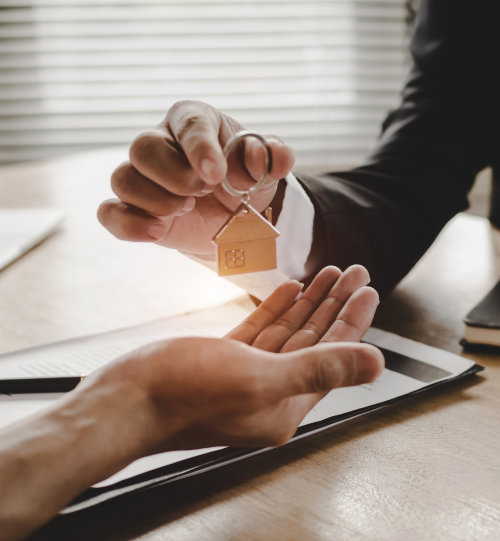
(81, 356)
(389, 385)
(22, 229)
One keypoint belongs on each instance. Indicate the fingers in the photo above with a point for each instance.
(184, 157)
(327, 366)
(196, 126)
(161, 191)
(185, 154)
(354, 318)
(309, 318)
(135, 189)
(325, 314)
(275, 334)
(159, 159)
(278, 302)
(282, 158)
(199, 133)
(129, 223)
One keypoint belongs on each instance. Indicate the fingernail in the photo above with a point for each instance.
(156, 231)
(189, 204)
(207, 167)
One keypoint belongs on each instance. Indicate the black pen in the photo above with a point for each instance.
(39, 385)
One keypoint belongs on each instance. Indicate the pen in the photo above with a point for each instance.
(39, 385)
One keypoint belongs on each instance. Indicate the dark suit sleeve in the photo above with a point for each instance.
(386, 213)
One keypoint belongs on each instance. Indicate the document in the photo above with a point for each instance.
(411, 367)
(22, 229)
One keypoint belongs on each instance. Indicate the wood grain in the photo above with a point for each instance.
(82, 280)
(426, 468)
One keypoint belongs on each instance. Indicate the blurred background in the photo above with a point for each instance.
(79, 75)
(83, 74)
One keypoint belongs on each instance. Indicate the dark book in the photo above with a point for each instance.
(482, 323)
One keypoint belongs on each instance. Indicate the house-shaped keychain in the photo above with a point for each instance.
(246, 243)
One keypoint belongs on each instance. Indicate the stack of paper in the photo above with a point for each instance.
(22, 229)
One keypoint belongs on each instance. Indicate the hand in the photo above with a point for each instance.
(239, 390)
(252, 387)
(170, 192)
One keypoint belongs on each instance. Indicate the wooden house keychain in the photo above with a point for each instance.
(247, 241)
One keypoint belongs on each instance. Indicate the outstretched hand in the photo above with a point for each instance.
(254, 386)
(336, 307)
(251, 388)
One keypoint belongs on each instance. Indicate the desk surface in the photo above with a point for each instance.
(428, 467)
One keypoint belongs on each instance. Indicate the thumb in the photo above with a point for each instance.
(326, 366)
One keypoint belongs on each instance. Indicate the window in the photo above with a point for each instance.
(80, 74)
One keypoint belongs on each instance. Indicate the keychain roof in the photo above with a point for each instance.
(244, 225)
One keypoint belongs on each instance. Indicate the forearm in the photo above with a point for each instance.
(49, 458)
(355, 224)
(189, 392)
(385, 214)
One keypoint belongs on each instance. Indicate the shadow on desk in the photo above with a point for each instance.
(198, 500)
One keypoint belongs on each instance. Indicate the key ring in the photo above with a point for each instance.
(236, 138)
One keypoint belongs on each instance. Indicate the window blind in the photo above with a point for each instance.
(81, 74)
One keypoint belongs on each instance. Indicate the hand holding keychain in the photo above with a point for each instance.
(247, 241)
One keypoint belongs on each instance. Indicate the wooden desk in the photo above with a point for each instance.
(427, 468)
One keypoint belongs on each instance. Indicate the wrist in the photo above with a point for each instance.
(94, 431)
(110, 415)
(49, 458)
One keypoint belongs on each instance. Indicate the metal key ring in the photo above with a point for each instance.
(236, 138)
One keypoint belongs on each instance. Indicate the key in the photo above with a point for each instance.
(247, 241)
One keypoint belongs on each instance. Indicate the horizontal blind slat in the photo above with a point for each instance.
(19, 4)
(76, 74)
(211, 11)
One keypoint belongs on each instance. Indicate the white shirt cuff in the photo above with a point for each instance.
(295, 224)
